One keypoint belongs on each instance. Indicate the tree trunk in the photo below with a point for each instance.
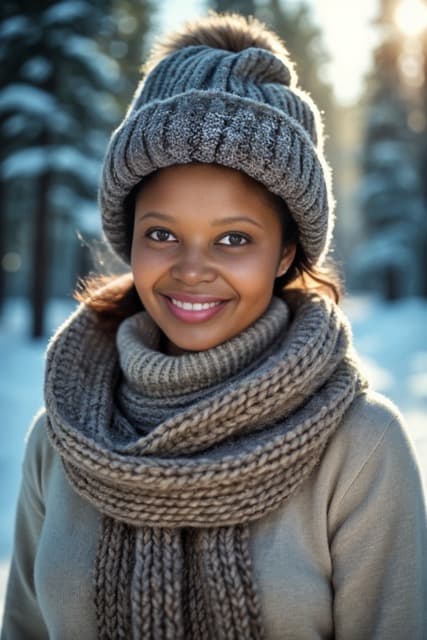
(40, 260)
(41, 241)
(393, 290)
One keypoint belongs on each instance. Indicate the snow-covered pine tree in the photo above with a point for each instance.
(391, 203)
(52, 105)
(63, 90)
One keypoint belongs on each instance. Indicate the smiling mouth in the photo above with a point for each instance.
(195, 306)
(194, 311)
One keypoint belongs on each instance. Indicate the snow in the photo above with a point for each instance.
(35, 104)
(67, 11)
(84, 213)
(104, 106)
(24, 163)
(14, 125)
(86, 51)
(37, 69)
(62, 159)
(14, 26)
(391, 339)
(70, 160)
(86, 217)
(24, 97)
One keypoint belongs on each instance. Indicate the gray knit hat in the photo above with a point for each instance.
(239, 110)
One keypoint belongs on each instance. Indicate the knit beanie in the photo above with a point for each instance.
(239, 109)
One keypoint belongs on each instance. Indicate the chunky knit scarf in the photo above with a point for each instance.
(180, 454)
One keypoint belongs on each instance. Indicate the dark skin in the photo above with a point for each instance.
(208, 234)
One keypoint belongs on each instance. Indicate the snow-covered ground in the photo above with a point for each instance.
(391, 338)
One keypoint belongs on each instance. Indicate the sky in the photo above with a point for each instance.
(348, 36)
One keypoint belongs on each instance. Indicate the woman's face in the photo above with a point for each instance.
(206, 249)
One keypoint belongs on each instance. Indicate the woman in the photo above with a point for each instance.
(210, 462)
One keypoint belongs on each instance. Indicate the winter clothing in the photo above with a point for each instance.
(239, 428)
(175, 470)
(241, 110)
(344, 558)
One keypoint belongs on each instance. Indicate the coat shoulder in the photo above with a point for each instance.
(371, 445)
(371, 419)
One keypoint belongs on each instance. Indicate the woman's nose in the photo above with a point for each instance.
(193, 266)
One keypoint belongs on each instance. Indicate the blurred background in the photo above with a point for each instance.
(68, 70)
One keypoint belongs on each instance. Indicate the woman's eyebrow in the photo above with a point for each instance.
(221, 221)
(232, 219)
(156, 214)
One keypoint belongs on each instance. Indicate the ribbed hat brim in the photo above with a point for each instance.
(225, 129)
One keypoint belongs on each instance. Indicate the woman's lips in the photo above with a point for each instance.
(194, 315)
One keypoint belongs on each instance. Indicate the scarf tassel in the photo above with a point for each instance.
(175, 584)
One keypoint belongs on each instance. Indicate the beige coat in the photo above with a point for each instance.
(345, 558)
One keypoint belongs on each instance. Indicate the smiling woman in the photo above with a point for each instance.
(210, 462)
(219, 245)
(115, 298)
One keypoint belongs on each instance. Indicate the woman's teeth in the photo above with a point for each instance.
(197, 306)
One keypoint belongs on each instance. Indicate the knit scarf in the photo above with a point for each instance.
(181, 453)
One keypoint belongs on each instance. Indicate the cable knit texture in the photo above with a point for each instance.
(240, 110)
(186, 451)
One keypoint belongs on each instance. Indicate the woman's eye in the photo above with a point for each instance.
(160, 235)
(234, 240)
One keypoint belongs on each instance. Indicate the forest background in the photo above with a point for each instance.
(68, 70)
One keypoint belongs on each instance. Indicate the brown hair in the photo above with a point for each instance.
(114, 297)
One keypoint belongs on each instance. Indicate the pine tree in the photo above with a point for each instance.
(65, 87)
(391, 199)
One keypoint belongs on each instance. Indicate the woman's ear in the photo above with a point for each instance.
(286, 260)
